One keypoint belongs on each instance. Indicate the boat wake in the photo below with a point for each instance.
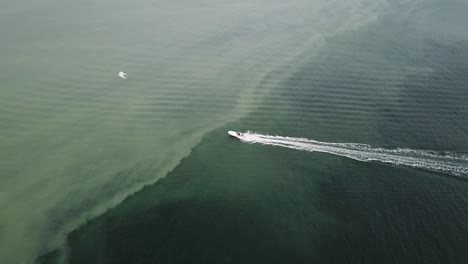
(446, 162)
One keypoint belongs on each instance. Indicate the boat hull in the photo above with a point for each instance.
(235, 134)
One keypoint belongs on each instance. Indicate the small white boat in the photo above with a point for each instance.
(236, 134)
(123, 75)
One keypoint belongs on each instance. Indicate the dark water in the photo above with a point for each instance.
(389, 84)
(77, 141)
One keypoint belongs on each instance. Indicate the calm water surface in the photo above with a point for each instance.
(78, 144)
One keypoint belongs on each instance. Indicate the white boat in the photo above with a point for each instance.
(236, 134)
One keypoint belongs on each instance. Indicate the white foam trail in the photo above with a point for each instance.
(452, 163)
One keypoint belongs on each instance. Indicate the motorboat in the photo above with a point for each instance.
(236, 134)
